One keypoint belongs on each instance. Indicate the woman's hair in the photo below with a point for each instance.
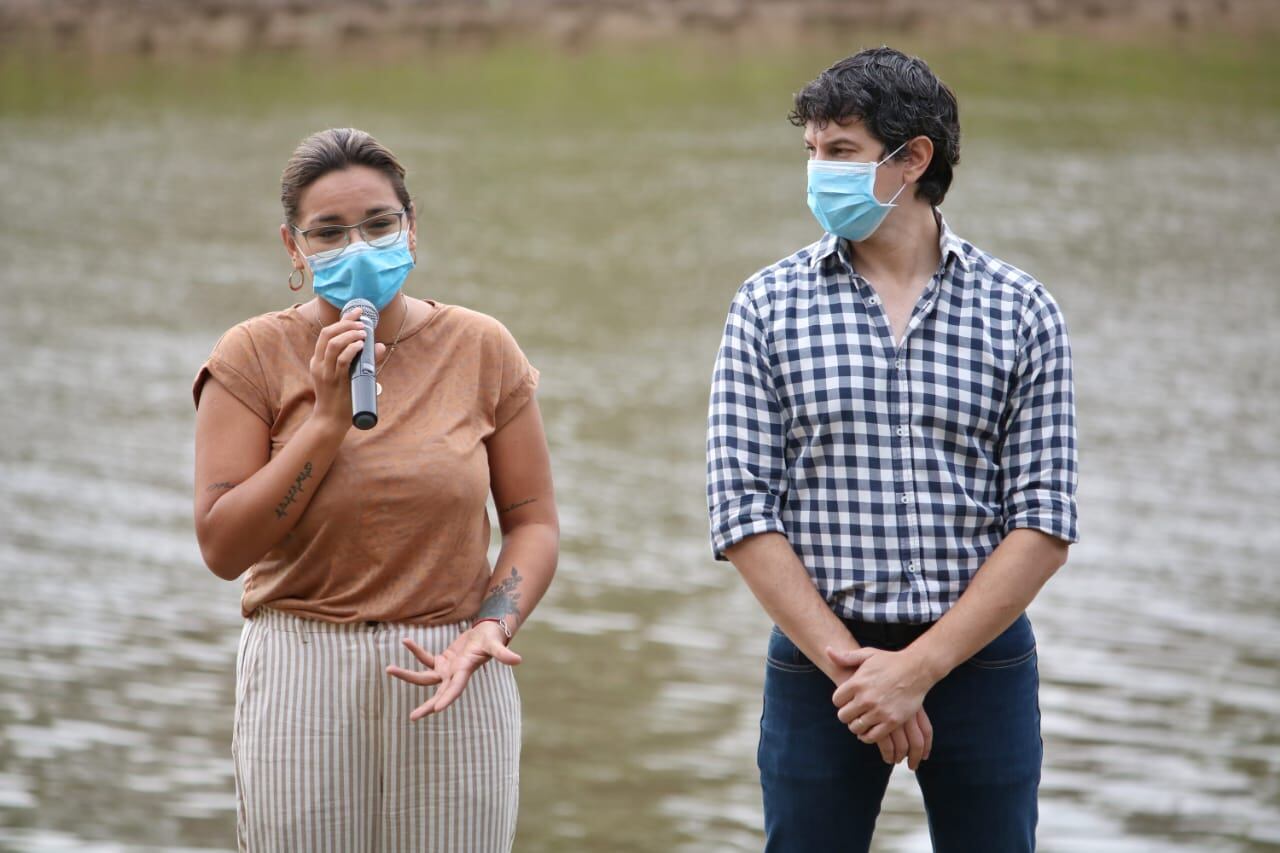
(333, 150)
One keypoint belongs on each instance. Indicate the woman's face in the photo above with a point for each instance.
(344, 197)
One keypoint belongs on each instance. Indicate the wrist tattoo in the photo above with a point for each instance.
(294, 491)
(502, 599)
(221, 487)
(517, 505)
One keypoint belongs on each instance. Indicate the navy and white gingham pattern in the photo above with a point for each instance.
(893, 469)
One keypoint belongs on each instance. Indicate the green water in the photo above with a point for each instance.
(605, 205)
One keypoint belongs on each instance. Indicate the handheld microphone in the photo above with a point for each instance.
(364, 384)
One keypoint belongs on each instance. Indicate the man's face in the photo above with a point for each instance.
(851, 142)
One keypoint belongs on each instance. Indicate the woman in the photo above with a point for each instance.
(354, 540)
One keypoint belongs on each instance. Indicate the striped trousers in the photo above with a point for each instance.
(327, 760)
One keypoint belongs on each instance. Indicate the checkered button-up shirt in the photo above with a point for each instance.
(893, 469)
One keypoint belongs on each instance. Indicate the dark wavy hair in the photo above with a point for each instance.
(897, 98)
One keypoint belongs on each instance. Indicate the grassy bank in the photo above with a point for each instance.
(536, 82)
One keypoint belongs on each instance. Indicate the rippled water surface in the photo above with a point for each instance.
(606, 208)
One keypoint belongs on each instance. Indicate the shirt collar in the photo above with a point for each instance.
(951, 246)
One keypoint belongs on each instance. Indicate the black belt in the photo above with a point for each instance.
(886, 635)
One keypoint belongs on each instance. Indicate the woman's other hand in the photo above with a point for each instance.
(452, 669)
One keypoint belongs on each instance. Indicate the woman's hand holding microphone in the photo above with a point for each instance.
(337, 346)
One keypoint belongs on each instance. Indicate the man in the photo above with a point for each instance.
(891, 461)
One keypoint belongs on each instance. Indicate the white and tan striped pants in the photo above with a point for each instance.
(327, 760)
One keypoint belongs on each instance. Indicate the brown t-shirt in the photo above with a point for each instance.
(397, 530)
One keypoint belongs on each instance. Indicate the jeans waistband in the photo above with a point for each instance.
(886, 635)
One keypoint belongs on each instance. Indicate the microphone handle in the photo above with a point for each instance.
(364, 382)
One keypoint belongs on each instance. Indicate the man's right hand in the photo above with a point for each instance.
(913, 740)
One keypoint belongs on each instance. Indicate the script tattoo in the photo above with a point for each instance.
(220, 487)
(294, 491)
(517, 505)
(501, 600)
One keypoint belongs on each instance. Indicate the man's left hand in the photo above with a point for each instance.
(885, 691)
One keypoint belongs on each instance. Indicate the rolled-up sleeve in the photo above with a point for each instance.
(746, 439)
(1038, 460)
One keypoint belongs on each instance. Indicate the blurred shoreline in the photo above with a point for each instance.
(222, 27)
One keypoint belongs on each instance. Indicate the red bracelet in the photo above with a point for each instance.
(502, 623)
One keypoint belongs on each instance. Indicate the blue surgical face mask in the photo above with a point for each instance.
(843, 200)
(363, 270)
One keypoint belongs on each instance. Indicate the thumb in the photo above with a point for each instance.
(379, 350)
(502, 654)
(849, 657)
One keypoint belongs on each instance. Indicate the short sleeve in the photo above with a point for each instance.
(234, 362)
(518, 381)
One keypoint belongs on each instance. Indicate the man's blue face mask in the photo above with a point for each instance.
(363, 270)
(843, 200)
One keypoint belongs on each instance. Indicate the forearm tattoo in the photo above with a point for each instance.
(294, 491)
(502, 599)
(517, 505)
(221, 487)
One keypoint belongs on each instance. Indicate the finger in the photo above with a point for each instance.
(429, 706)
(849, 657)
(915, 743)
(323, 356)
(345, 324)
(900, 745)
(421, 711)
(339, 343)
(855, 709)
(444, 698)
(845, 692)
(502, 654)
(419, 652)
(426, 678)
(926, 729)
(348, 355)
(876, 731)
(886, 750)
(859, 724)
(852, 711)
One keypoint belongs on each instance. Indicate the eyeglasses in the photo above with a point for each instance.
(329, 241)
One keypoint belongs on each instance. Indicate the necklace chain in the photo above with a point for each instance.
(391, 349)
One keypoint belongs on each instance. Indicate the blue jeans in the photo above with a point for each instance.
(823, 787)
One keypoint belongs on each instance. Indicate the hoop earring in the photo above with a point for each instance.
(301, 279)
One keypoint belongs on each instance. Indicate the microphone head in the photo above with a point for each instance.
(365, 306)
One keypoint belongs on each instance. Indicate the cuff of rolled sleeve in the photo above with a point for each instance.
(1049, 512)
(735, 520)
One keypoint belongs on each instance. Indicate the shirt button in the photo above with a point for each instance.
(900, 363)
(902, 430)
(911, 567)
(906, 498)
(873, 300)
